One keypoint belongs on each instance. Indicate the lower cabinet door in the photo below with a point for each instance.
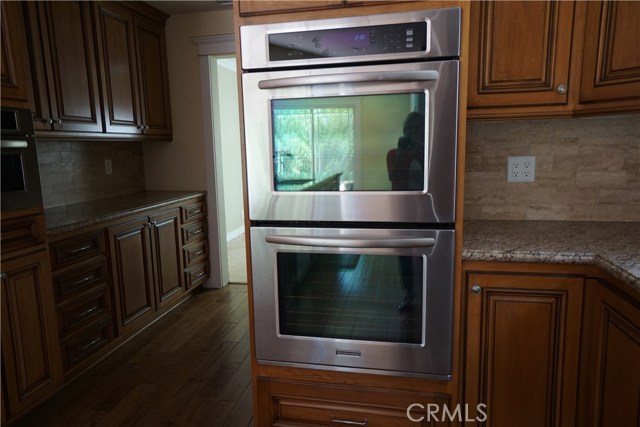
(523, 342)
(132, 264)
(284, 404)
(30, 353)
(168, 256)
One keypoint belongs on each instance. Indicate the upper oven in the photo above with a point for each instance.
(354, 119)
(20, 179)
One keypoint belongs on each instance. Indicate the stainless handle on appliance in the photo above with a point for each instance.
(364, 77)
(347, 242)
(349, 422)
(476, 289)
(10, 143)
(562, 88)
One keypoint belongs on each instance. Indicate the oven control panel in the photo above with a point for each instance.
(348, 42)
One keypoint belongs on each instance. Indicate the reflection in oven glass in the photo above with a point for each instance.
(351, 296)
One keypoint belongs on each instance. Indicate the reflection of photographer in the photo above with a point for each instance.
(405, 164)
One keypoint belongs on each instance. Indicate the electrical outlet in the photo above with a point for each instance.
(108, 167)
(521, 169)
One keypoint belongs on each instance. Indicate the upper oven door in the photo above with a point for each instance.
(365, 144)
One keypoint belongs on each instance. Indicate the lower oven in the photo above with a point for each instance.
(354, 299)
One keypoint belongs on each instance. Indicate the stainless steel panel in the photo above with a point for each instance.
(443, 37)
(430, 358)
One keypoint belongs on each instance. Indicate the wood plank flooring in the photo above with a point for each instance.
(189, 369)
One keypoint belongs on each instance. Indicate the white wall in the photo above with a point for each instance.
(180, 164)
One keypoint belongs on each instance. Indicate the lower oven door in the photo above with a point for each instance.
(368, 300)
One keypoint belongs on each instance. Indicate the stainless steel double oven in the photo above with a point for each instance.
(350, 133)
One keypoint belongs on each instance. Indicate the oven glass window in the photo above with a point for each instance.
(349, 143)
(12, 173)
(351, 296)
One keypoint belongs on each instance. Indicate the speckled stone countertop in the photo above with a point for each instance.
(69, 218)
(612, 246)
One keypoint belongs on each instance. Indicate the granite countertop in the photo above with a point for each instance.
(68, 218)
(612, 246)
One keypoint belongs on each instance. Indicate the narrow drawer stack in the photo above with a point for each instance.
(81, 284)
(195, 248)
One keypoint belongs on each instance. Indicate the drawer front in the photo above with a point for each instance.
(84, 310)
(195, 253)
(196, 274)
(194, 232)
(86, 343)
(80, 279)
(22, 232)
(311, 404)
(76, 249)
(193, 212)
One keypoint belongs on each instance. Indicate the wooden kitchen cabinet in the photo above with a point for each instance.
(66, 95)
(147, 266)
(134, 73)
(610, 364)
(553, 58)
(523, 343)
(290, 403)
(14, 61)
(31, 368)
(248, 7)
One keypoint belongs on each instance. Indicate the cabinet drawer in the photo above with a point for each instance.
(83, 310)
(315, 404)
(81, 345)
(193, 232)
(193, 212)
(80, 279)
(195, 252)
(22, 232)
(196, 274)
(76, 249)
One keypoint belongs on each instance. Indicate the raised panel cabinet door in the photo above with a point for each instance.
(167, 255)
(610, 381)
(117, 52)
(153, 76)
(14, 61)
(611, 57)
(131, 260)
(66, 76)
(30, 353)
(519, 53)
(523, 340)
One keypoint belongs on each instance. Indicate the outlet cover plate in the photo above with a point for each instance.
(521, 169)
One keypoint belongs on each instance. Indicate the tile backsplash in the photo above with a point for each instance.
(74, 172)
(586, 169)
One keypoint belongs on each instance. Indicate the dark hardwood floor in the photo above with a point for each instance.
(191, 368)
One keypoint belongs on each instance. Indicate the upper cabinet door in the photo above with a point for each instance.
(65, 72)
(14, 61)
(119, 73)
(153, 77)
(611, 56)
(519, 53)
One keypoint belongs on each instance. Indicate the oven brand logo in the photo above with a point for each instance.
(417, 413)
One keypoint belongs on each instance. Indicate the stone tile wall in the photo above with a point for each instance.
(586, 169)
(74, 172)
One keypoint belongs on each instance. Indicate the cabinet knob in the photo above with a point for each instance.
(48, 121)
(562, 88)
(146, 127)
(476, 289)
(140, 127)
(3, 276)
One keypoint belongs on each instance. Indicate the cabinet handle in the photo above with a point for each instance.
(146, 127)
(139, 127)
(83, 348)
(84, 313)
(200, 252)
(81, 249)
(84, 279)
(476, 289)
(199, 275)
(58, 121)
(349, 422)
(562, 88)
(198, 231)
(3, 276)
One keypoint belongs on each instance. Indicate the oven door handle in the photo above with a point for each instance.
(364, 77)
(12, 143)
(347, 242)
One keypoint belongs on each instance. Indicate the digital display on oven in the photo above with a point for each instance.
(344, 42)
